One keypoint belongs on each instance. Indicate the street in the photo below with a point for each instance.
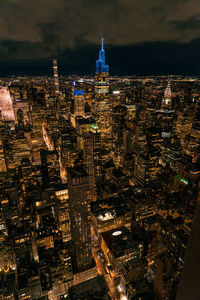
(102, 271)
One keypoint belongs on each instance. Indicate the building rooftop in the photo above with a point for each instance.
(78, 92)
(119, 240)
(77, 171)
(80, 120)
(95, 288)
(115, 210)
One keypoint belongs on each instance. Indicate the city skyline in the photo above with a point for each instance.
(153, 58)
(99, 150)
(99, 182)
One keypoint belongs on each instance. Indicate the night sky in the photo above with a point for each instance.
(145, 37)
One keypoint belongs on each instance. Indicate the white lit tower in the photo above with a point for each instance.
(55, 71)
(6, 104)
(167, 99)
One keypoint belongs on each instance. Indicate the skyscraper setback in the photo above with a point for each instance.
(102, 109)
(102, 73)
(101, 66)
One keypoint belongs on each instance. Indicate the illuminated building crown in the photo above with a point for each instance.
(168, 93)
(101, 67)
(166, 102)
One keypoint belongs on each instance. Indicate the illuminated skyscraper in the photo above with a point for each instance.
(88, 152)
(166, 102)
(96, 150)
(102, 72)
(102, 109)
(3, 167)
(101, 66)
(55, 70)
(6, 105)
(79, 102)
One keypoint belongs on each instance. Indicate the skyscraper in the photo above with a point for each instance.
(102, 110)
(102, 72)
(166, 102)
(189, 284)
(101, 66)
(96, 151)
(55, 70)
(3, 167)
(79, 103)
(6, 104)
(79, 208)
(88, 153)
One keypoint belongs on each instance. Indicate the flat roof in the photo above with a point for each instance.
(119, 240)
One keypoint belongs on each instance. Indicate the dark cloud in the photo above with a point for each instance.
(40, 28)
(191, 24)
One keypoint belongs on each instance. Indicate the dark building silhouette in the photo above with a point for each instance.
(189, 284)
(79, 198)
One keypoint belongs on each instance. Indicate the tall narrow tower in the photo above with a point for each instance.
(6, 104)
(167, 99)
(102, 74)
(79, 209)
(55, 71)
(88, 153)
(101, 66)
(102, 109)
(189, 288)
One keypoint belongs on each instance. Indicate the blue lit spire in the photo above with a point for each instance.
(101, 67)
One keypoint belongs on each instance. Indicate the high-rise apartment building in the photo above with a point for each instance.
(55, 70)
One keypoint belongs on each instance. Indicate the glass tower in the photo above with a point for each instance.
(101, 67)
